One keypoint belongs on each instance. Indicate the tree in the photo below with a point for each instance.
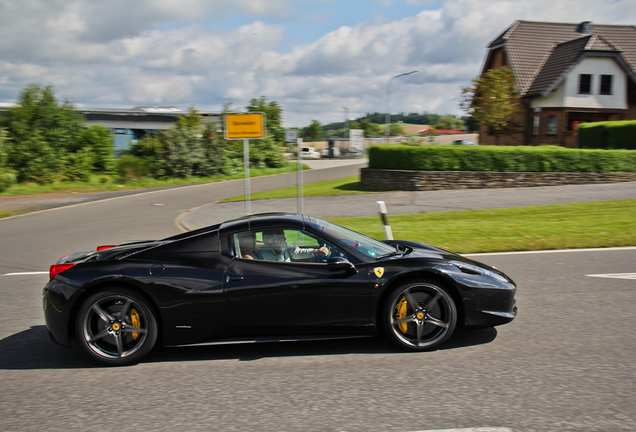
(98, 140)
(394, 129)
(185, 155)
(450, 122)
(7, 178)
(492, 100)
(370, 129)
(42, 133)
(273, 116)
(313, 132)
(48, 140)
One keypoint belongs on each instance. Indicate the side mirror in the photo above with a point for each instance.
(338, 264)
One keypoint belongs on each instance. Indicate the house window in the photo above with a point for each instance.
(606, 85)
(535, 125)
(552, 127)
(585, 83)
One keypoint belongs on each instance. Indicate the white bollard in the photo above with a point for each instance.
(385, 222)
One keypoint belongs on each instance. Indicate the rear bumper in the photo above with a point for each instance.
(57, 301)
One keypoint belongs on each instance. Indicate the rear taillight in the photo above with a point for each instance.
(57, 269)
(99, 248)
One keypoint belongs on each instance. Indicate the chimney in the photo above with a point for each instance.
(585, 27)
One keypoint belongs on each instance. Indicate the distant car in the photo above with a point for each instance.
(464, 142)
(309, 153)
(269, 277)
(325, 152)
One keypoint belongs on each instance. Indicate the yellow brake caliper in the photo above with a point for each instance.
(401, 313)
(136, 322)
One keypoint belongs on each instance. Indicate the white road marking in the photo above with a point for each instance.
(26, 273)
(615, 275)
(610, 249)
(476, 429)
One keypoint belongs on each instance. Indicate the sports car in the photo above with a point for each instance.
(268, 277)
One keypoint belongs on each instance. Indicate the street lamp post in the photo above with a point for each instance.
(388, 104)
(346, 122)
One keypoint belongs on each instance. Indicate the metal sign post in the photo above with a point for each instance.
(246, 161)
(291, 136)
(245, 127)
(299, 142)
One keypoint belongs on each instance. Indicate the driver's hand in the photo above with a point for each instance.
(322, 251)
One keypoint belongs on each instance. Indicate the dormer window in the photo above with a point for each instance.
(585, 83)
(606, 85)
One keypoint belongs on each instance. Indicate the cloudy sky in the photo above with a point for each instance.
(314, 57)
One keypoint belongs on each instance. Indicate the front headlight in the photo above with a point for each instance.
(473, 269)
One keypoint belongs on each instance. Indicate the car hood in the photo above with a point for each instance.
(423, 250)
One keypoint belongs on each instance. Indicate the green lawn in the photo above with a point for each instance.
(345, 186)
(583, 225)
(106, 183)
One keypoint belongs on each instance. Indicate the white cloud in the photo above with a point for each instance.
(204, 53)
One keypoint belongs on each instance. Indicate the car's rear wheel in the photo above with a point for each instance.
(419, 316)
(116, 326)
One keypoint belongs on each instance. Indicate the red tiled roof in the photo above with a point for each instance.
(539, 53)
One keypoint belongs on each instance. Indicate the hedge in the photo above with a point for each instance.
(500, 159)
(608, 135)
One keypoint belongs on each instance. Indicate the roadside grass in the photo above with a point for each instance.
(563, 226)
(106, 183)
(344, 186)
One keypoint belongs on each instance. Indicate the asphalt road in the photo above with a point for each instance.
(567, 363)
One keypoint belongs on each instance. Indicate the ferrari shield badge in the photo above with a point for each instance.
(379, 271)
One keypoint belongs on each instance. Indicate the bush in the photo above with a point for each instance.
(500, 159)
(129, 167)
(621, 135)
(608, 135)
(7, 179)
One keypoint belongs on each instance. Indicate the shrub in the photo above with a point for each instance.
(608, 135)
(500, 159)
(7, 179)
(129, 167)
(621, 135)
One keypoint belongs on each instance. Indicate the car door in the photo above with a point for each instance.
(294, 298)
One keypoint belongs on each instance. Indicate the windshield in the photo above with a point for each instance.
(366, 245)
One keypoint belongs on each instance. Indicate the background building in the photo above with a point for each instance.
(565, 74)
(130, 125)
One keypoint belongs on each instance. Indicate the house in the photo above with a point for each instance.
(565, 74)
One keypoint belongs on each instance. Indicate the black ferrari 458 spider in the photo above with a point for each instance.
(268, 277)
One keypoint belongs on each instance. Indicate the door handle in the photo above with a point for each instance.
(234, 278)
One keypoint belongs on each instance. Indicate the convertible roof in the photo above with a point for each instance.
(264, 221)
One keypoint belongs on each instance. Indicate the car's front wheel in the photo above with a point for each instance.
(116, 326)
(419, 316)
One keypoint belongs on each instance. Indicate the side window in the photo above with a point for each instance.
(247, 245)
(286, 245)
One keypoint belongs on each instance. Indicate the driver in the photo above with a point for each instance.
(275, 248)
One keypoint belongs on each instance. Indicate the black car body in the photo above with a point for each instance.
(201, 288)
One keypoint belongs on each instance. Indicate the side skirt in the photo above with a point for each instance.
(270, 339)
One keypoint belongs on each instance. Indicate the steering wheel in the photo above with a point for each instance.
(323, 258)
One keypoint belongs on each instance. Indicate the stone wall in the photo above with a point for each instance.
(388, 180)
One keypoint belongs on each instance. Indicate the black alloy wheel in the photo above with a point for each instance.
(419, 316)
(116, 326)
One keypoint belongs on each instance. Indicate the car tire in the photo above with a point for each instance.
(116, 326)
(419, 316)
